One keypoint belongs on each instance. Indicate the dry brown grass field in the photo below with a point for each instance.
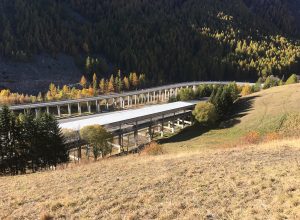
(212, 176)
(253, 182)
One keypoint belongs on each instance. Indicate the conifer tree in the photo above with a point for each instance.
(83, 82)
(130, 78)
(102, 86)
(5, 125)
(126, 83)
(142, 80)
(95, 83)
(135, 80)
(111, 83)
(119, 82)
(52, 90)
(40, 97)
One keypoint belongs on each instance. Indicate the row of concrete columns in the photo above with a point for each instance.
(160, 128)
(120, 102)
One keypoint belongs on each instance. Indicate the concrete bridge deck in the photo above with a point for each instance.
(134, 122)
(103, 102)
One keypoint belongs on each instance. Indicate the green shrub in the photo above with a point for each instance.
(205, 113)
(271, 81)
(223, 98)
(203, 91)
(233, 90)
(173, 98)
(246, 90)
(292, 79)
(186, 94)
(257, 86)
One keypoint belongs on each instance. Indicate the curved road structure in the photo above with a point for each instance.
(104, 102)
(137, 122)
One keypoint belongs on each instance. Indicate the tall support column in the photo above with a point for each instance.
(79, 152)
(120, 139)
(159, 96)
(154, 96)
(173, 123)
(36, 112)
(162, 126)
(135, 134)
(69, 110)
(148, 97)
(88, 104)
(120, 142)
(120, 102)
(176, 92)
(47, 110)
(79, 108)
(97, 106)
(150, 131)
(165, 95)
(135, 100)
(194, 88)
(58, 111)
(128, 101)
(107, 104)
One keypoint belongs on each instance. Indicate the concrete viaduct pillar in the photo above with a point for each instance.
(58, 111)
(128, 101)
(98, 106)
(135, 134)
(36, 112)
(107, 104)
(89, 107)
(69, 109)
(79, 108)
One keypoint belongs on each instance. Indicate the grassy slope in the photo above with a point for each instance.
(235, 183)
(263, 111)
(232, 183)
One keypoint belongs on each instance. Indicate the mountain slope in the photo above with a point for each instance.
(284, 14)
(240, 183)
(164, 39)
(271, 112)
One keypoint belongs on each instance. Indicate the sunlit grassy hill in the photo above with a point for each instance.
(276, 110)
(204, 179)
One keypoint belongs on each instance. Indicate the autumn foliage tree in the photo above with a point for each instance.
(111, 84)
(98, 137)
(83, 82)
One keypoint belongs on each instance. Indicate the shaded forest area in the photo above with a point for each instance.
(178, 40)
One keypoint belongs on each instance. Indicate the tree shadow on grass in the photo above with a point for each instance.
(240, 109)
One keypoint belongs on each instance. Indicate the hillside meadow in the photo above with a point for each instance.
(202, 174)
(272, 112)
(250, 182)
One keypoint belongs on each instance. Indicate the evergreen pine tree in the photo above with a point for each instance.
(102, 86)
(95, 83)
(110, 86)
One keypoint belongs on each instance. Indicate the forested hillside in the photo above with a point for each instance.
(284, 14)
(176, 40)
